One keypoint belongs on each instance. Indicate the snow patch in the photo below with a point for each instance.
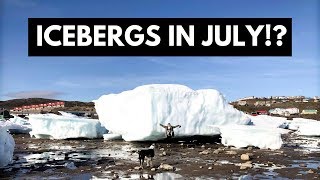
(137, 114)
(64, 126)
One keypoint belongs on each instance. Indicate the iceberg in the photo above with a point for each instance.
(64, 126)
(305, 127)
(241, 136)
(137, 114)
(6, 146)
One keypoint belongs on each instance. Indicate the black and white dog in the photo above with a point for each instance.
(146, 153)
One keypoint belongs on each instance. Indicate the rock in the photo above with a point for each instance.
(209, 148)
(161, 149)
(245, 157)
(127, 176)
(250, 148)
(302, 165)
(130, 170)
(318, 167)
(205, 152)
(138, 168)
(217, 151)
(167, 167)
(164, 153)
(200, 167)
(231, 152)
(153, 169)
(246, 165)
(310, 171)
(115, 176)
(210, 167)
(203, 146)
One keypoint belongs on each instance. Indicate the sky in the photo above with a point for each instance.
(87, 78)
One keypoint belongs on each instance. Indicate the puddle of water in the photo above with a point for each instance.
(311, 164)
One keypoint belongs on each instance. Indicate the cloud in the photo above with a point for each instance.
(34, 94)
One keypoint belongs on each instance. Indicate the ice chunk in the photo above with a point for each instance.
(305, 127)
(6, 146)
(64, 126)
(242, 136)
(269, 121)
(137, 114)
(109, 137)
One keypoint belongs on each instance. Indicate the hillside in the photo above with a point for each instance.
(250, 107)
(9, 104)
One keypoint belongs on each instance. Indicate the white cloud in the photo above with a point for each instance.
(34, 94)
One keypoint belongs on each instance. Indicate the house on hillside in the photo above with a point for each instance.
(309, 111)
(260, 103)
(242, 103)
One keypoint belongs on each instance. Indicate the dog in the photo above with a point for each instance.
(146, 153)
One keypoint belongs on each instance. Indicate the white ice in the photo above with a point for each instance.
(241, 136)
(64, 126)
(6, 146)
(269, 121)
(305, 127)
(17, 125)
(109, 137)
(137, 114)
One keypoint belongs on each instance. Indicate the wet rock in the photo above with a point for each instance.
(205, 152)
(138, 168)
(231, 152)
(302, 165)
(217, 151)
(245, 157)
(115, 176)
(126, 176)
(246, 165)
(310, 171)
(166, 167)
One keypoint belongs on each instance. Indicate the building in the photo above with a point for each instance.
(242, 103)
(260, 103)
(309, 111)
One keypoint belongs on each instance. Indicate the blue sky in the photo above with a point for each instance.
(87, 78)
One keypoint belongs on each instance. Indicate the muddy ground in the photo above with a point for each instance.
(193, 158)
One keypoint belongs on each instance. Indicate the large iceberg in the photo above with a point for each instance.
(137, 114)
(64, 126)
(6, 146)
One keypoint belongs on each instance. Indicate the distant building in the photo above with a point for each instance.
(246, 98)
(260, 103)
(309, 111)
(242, 103)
